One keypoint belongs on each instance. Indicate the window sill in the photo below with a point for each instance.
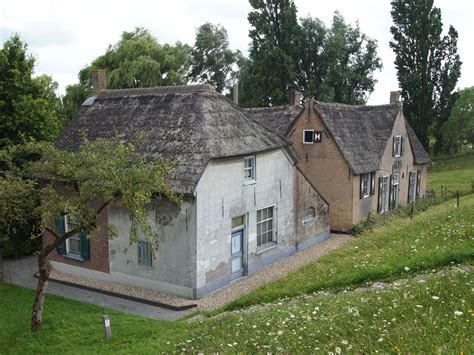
(73, 257)
(266, 247)
(250, 182)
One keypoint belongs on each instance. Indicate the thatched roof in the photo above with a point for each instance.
(360, 132)
(191, 124)
(421, 156)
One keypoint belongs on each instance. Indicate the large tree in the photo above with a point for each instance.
(269, 73)
(82, 185)
(458, 130)
(428, 65)
(28, 105)
(136, 60)
(337, 63)
(212, 59)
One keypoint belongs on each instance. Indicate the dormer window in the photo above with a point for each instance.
(308, 136)
(249, 170)
(397, 146)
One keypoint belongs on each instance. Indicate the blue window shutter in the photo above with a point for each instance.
(85, 246)
(60, 230)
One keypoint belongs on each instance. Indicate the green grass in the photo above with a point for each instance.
(434, 238)
(455, 173)
(416, 317)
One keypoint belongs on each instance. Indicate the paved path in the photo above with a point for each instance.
(20, 272)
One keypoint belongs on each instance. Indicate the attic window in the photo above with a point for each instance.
(249, 170)
(397, 146)
(309, 216)
(308, 136)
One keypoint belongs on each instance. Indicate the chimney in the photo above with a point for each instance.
(394, 97)
(98, 80)
(309, 101)
(294, 98)
(235, 93)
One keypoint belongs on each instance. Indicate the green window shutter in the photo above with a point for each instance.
(85, 245)
(60, 230)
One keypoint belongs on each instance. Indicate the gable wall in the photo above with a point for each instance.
(323, 164)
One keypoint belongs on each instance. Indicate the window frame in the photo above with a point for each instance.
(76, 237)
(385, 206)
(397, 146)
(365, 188)
(395, 198)
(147, 248)
(274, 234)
(304, 136)
(253, 170)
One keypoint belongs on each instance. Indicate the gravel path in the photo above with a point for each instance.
(227, 294)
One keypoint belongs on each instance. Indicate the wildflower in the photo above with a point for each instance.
(435, 298)
(458, 313)
(407, 268)
(338, 350)
(345, 342)
(280, 332)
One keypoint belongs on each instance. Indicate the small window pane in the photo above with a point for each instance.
(308, 136)
(144, 253)
(237, 222)
(265, 226)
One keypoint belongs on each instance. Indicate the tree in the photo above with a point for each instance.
(81, 185)
(336, 64)
(428, 65)
(459, 128)
(28, 105)
(270, 72)
(212, 60)
(136, 61)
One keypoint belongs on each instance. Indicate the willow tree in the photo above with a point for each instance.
(82, 185)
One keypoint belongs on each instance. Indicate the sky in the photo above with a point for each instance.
(65, 36)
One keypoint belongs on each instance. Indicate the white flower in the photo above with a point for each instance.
(345, 342)
(435, 298)
(418, 306)
(458, 313)
(254, 326)
(338, 350)
(380, 340)
(407, 268)
(280, 332)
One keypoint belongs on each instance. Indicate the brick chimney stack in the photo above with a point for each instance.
(294, 98)
(98, 80)
(394, 97)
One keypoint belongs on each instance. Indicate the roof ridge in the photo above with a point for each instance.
(271, 108)
(157, 90)
(341, 105)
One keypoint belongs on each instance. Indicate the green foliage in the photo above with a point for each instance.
(270, 72)
(432, 239)
(428, 65)
(28, 105)
(458, 130)
(212, 59)
(336, 64)
(81, 184)
(137, 60)
(453, 172)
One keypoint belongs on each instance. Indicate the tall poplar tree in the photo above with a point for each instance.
(428, 65)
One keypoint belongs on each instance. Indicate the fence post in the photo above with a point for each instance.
(411, 211)
(442, 195)
(457, 198)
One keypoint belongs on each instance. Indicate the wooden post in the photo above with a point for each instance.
(457, 198)
(442, 195)
(107, 328)
(411, 211)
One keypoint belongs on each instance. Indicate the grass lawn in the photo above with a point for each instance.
(433, 316)
(434, 238)
(456, 172)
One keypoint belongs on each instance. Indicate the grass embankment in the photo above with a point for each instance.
(434, 316)
(454, 172)
(434, 238)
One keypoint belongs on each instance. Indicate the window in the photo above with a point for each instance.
(412, 186)
(308, 136)
(397, 146)
(144, 253)
(249, 169)
(384, 182)
(309, 216)
(265, 226)
(395, 190)
(364, 185)
(73, 244)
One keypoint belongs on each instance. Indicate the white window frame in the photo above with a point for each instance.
(253, 170)
(385, 205)
(273, 230)
(398, 146)
(395, 189)
(147, 259)
(76, 237)
(304, 135)
(366, 185)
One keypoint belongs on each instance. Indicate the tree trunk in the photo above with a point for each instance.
(36, 319)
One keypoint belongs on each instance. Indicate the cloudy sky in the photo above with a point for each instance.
(65, 36)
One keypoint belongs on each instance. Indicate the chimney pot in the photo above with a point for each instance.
(98, 80)
(235, 93)
(394, 97)
(294, 98)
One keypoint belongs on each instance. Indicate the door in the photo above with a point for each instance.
(237, 253)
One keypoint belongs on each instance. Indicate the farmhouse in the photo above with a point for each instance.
(363, 159)
(246, 203)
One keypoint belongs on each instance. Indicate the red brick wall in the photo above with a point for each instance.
(99, 247)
